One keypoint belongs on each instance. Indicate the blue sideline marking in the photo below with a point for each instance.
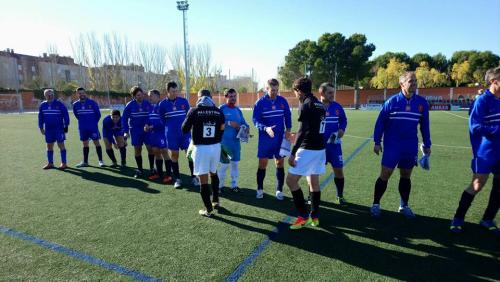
(238, 272)
(80, 256)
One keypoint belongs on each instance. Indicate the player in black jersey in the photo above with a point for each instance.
(207, 124)
(308, 153)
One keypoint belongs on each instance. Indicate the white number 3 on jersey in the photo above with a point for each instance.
(208, 131)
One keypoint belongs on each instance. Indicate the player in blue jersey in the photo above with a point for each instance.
(335, 125)
(397, 123)
(88, 115)
(135, 116)
(53, 122)
(155, 127)
(484, 121)
(234, 120)
(273, 119)
(112, 134)
(173, 110)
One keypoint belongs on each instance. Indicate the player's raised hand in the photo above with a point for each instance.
(377, 149)
(270, 131)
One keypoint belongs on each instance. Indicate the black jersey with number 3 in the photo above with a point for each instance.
(206, 122)
(311, 125)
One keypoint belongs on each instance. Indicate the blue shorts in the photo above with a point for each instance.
(176, 142)
(89, 133)
(481, 165)
(234, 150)
(54, 135)
(334, 155)
(404, 158)
(139, 138)
(157, 140)
(111, 135)
(268, 147)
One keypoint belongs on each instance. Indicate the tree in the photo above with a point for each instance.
(419, 58)
(429, 77)
(460, 73)
(440, 63)
(332, 54)
(389, 77)
(383, 60)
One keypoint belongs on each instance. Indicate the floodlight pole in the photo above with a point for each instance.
(184, 6)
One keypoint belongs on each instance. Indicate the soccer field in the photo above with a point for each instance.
(102, 224)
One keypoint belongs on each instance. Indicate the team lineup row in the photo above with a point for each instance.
(166, 127)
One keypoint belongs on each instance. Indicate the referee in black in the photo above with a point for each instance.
(207, 122)
(308, 156)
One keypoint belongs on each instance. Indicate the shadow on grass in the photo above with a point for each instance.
(391, 246)
(115, 181)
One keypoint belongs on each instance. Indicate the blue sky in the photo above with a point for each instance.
(256, 33)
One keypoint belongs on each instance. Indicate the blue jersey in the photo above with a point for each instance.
(475, 139)
(111, 128)
(398, 121)
(155, 120)
(173, 112)
(484, 121)
(53, 115)
(335, 119)
(231, 114)
(135, 116)
(87, 113)
(268, 112)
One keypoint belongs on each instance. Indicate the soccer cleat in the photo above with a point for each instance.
(205, 213)
(48, 166)
(215, 205)
(195, 182)
(63, 166)
(101, 164)
(313, 221)
(236, 189)
(491, 226)
(153, 177)
(178, 183)
(375, 210)
(260, 194)
(138, 173)
(456, 225)
(341, 201)
(124, 164)
(114, 165)
(167, 179)
(299, 223)
(407, 212)
(82, 164)
(279, 196)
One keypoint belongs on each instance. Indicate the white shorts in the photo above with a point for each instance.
(309, 162)
(205, 158)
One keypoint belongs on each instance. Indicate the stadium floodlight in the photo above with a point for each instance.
(184, 6)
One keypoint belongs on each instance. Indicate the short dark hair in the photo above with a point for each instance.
(171, 84)
(324, 86)
(204, 92)
(229, 91)
(154, 92)
(80, 89)
(134, 90)
(273, 82)
(115, 113)
(303, 84)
